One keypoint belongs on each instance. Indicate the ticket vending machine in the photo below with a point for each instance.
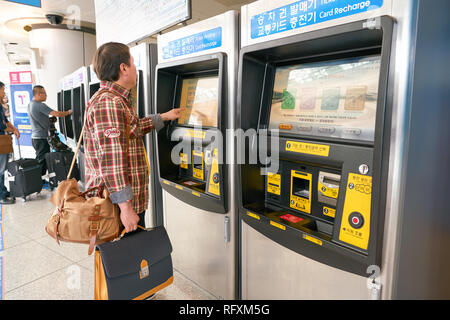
(80, 98)
(59, 103)
(197, 73)
(66, 122)
(324, 85)
(94, 82)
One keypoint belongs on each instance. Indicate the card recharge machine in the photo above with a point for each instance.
(315, 213)
(197, 73)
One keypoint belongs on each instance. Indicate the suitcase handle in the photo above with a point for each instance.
(18, 144)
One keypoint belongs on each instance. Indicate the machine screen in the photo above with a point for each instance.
(333, 99)
(199, 102)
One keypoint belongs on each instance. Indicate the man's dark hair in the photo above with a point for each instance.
(1, 84)
(108, 58)
(36, 89)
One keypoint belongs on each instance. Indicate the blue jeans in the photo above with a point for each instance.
(3, 164)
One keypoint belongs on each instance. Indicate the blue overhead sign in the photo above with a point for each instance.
(198, 42)
(305, 13)
(34, 3)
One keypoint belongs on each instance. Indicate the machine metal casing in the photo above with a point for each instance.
(204, 240)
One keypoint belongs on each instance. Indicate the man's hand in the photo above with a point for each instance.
(60, 114)
(128, 216)
(171, 115)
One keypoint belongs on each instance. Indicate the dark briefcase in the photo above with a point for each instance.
(134, 267)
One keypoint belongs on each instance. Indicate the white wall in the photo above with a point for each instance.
(62, 51)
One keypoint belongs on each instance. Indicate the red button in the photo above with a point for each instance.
(355, 220)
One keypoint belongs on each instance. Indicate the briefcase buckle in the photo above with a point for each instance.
(144, 272)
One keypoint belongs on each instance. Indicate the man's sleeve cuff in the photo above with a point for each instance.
(157, 121)
(123, 195)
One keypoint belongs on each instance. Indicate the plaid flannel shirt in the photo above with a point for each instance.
(112, 160)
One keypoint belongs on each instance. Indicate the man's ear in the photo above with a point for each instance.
(123, 67)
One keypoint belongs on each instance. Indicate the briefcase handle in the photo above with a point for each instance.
(124, 231)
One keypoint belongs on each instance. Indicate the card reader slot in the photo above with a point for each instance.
(330, 181)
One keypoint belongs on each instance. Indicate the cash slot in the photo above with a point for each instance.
(328, 188)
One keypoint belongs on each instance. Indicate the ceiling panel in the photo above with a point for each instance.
(201, 9)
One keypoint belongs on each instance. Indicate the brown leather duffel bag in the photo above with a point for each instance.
(82, 219)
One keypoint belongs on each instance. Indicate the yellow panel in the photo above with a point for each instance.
(314, 240)
(200, 134)
(300, 203)
(358, 199)
(274, 183)
(197, 173)
(328, 192)
(184, 160)
(308, 148)
(213, 187)
(329, 212)
(196, 194)
(279, 226)
(253, 215)
(178, 187)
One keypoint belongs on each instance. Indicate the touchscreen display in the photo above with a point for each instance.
(333, 99)
(199, 102)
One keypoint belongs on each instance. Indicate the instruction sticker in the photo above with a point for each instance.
(308, 148)
(274, 183)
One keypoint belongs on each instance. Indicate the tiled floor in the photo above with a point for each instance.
(36, 268)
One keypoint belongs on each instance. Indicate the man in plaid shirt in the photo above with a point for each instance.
(114, 149)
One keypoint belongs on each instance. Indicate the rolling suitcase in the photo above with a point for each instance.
(58, 166)
(24, 177)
